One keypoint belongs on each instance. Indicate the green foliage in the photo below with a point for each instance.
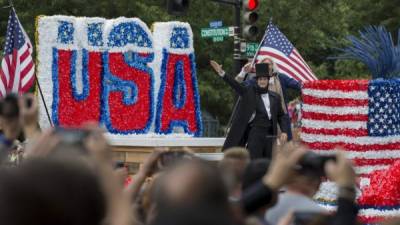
(315, 27)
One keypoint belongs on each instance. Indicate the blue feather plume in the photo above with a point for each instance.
(375, 48)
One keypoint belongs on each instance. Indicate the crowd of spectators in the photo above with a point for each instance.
(67, 177)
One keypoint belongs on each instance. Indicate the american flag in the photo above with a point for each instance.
(17, 67)
(276, 46)
(362, 116)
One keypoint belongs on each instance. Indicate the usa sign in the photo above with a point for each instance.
(118, 73)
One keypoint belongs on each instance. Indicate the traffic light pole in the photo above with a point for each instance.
(237, 38)
(237, 55)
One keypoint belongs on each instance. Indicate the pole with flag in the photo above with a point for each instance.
(276, 45)
(17, 71)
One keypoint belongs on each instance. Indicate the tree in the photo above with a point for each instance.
(315, 27)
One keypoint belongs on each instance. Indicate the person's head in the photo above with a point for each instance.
(262, 81)
(195, 188)
(190, 183)
(232, 167)
(9, 116)
(46, 191)
(254, 172)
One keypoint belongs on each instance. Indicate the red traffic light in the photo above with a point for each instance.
(251, 4)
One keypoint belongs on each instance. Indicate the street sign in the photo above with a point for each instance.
(231, 31)
(251, 49)
(218, 39)
(216, 24)
(215, 32)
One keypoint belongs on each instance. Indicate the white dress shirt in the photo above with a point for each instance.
(267, 105)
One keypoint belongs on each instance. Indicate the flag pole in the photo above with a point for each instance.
(11, 5)
(259, 45)
(44, 103)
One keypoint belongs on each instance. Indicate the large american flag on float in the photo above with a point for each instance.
(361, 116)
(275, 45)
(17, 66)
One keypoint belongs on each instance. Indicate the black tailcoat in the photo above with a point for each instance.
(245, 109)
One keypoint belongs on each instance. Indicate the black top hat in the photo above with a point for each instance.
(262, 70)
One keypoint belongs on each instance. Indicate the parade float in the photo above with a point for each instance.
(140, 84)
(361, 117)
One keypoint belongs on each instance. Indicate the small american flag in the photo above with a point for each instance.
(276, 46)
(362, 116)
(17, 67)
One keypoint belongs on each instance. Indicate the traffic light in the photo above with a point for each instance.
(177, 7)
(250, 17)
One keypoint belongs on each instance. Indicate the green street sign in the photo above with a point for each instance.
(251, 49)
(215, 32)
(218, 39)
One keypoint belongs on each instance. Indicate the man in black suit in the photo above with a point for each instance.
(259, 110)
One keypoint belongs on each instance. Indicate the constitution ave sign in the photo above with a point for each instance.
(217, 34)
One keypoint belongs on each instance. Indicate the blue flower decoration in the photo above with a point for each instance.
(129, 33)
(179, 38)
(95, 34)
(65, 32)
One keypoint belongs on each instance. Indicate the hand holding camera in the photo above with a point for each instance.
(342, 171)
(283, 162)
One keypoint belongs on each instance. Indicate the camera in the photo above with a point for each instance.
(71, 136)
(72, 141)
(119, 165)
(172, 157)
(313, 164)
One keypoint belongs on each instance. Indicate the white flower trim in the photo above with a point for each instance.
(381, 154)
(360, 95)
(378, 213)
(369, 169)
(350, 140)
(344, 110)
(322, 124)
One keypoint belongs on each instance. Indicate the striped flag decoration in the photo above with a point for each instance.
(276, 46)
(361, 116)
(17, 72)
